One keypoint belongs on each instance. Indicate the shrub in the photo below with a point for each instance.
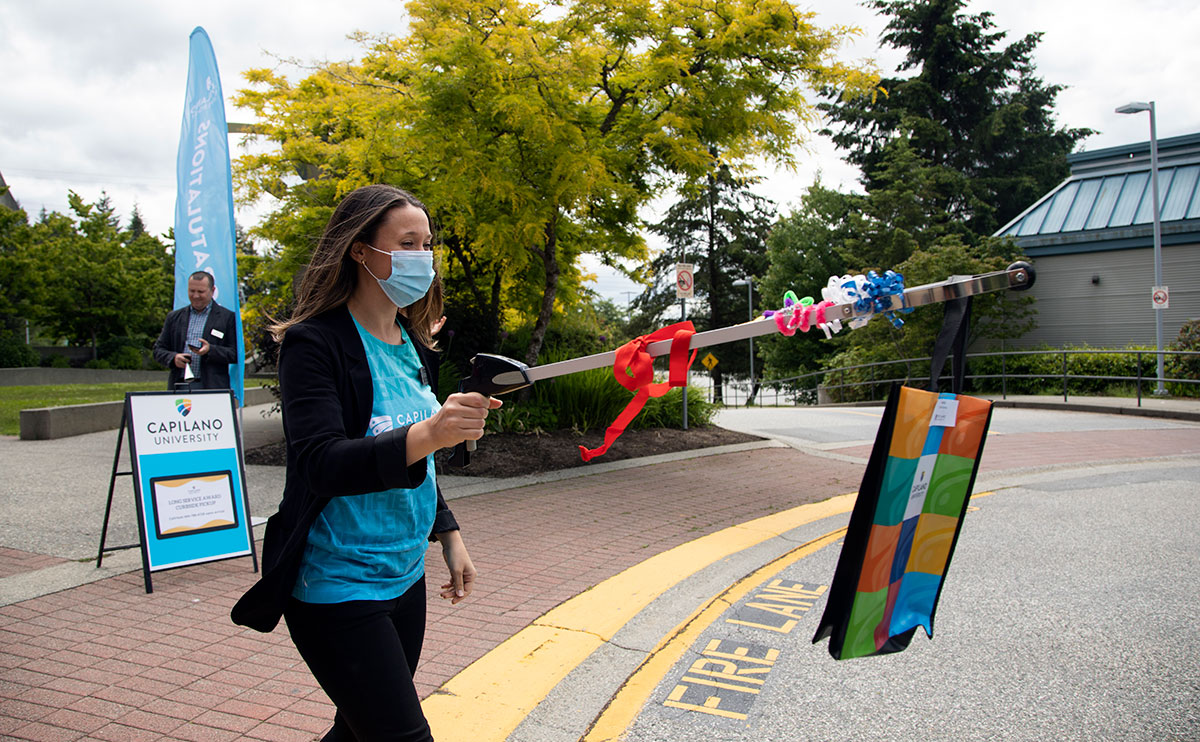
(98, 363)
(1091, 373)
(124, 352)
(1185, 367)
(126, 357)
(1034, 371)
(592, 400)
(14, 353)
(526, 417)
(582, 401)
(57, 361)
(913, 373)
(667, 411)
(588, 400)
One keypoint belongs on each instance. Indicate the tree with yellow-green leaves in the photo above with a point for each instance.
(536, 132)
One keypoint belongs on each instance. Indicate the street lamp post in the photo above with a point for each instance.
(1138, 107)
(627, 295)
(748, 282)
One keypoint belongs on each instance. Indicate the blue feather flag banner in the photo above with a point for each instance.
(204, 225)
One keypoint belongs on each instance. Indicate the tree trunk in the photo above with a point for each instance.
(493, 314)
(549, 255)
(488, 304)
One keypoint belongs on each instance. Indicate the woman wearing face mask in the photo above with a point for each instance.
(343, 559)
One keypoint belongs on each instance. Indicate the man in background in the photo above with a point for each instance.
(201, 336)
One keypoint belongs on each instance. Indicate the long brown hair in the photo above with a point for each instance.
(331, 275)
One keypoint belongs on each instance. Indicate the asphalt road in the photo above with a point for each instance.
(1068, 614)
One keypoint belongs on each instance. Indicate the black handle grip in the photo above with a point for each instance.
(490, 375)
(461, 456)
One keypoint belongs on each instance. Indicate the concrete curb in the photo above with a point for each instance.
(1108, 409)
(454, 487)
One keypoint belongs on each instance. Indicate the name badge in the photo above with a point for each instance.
(218, 334)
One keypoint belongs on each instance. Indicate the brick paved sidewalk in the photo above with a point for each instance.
(106, 661)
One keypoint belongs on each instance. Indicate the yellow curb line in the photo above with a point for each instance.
(489, 698)
(632, 696)
(629, 700)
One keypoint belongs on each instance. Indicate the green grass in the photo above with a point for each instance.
(13, 399)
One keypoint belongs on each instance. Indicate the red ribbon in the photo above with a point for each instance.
(634, 370)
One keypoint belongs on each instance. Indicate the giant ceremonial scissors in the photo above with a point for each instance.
(495, 374)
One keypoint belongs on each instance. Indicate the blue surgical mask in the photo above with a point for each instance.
(411, 276)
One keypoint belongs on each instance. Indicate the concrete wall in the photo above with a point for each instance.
(44, 376)
(75, 354)
(47, 423)
(48, 376)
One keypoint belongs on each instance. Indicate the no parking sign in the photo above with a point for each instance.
(685, 280)
(1160, 297)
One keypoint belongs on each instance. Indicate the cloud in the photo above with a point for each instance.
(93, 92)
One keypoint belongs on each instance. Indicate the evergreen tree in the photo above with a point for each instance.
(100, 283)
(973, 112)
(949, 153)
(722, 229)
(137, 226)
(805, 249)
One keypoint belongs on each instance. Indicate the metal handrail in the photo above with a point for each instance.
(792, 386)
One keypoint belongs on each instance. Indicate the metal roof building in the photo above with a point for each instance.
(1091, 240)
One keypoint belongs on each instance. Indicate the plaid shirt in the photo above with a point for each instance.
(196, 322)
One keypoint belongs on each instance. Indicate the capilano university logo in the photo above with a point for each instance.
(185, 430)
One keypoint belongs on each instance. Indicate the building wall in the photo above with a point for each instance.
(1117, 311)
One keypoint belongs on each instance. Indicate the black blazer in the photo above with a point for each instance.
(220, 330)
(325, 385)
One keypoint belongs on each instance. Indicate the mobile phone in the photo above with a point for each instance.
(194, 347)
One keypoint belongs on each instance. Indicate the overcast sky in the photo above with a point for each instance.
(91, 93)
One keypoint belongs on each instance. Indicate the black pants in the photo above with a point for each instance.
(364, 654)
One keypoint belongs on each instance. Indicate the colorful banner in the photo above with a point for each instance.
(204, 225)
(905, 522)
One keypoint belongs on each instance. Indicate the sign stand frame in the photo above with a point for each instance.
(112, 483)
(127, 425)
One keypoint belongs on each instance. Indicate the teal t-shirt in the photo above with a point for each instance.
(372, 546)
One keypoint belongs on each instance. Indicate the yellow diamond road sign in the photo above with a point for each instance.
(709, 360)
